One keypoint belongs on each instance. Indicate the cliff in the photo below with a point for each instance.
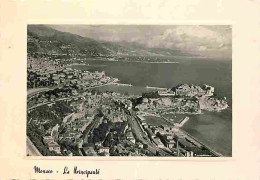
(212, 104)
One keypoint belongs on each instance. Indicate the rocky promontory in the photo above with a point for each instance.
(212, 103)
(182, 99)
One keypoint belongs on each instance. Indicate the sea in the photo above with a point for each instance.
(211, 128)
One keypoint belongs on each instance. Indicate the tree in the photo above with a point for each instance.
(157, 153)
(145, 146)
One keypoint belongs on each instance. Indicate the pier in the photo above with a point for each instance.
(159, 88)
(191, 138)
(183, 121)
(121, 84)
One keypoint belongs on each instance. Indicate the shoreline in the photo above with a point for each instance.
(147, 62)
(83, 64)
(184, 131)
(125, 87)
(222, 154)
(203, 144)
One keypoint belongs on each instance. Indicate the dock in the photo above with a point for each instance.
(193, 139)
(183, 121)
(122, 84)
(159, 88)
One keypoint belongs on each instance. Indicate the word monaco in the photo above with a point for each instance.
(67, 171)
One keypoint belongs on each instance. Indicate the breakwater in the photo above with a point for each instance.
(158, 88)
(193, 139)
(122, 84)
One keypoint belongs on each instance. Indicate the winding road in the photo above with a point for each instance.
(31, 150)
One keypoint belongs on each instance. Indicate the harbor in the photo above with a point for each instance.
(166, 90)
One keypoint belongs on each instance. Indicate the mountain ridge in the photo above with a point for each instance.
(44, 39)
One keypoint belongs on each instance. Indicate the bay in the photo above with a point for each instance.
(212, 128)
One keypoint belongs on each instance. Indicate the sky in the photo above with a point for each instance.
(204, 40)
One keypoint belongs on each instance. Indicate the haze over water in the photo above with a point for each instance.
(213, 129)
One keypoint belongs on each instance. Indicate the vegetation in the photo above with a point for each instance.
(99, 134)
(163, 138)
(153, 94)
(35, 134)
(61, 109)
(69, 145)
(44, 116)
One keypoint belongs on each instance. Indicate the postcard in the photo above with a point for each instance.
(99, 90)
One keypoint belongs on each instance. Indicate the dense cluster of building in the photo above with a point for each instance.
(45, 73)
(71, 118)
(173, 139)
(51, 144)
(75, 134)
(164, 104)
(182, 99)
(98, 125)
(192, 90)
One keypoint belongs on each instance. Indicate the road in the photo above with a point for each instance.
(31, 149)
(34, 91)
(141, 136)
(41, 104)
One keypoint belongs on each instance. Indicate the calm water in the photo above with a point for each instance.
(214, 129)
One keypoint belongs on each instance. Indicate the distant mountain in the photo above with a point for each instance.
(44, 39)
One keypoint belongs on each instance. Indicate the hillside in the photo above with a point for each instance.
(42, 39)
(45, 40)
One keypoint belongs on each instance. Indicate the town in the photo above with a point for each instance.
(45, 73)
(68, 116)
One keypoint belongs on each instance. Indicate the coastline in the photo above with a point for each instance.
(210, 148)
(84, 64)
(213, 129)
(202, 133)
(192, 126)
(202, 144)
(147, 62)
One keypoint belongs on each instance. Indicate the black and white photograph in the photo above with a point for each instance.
(129, 90)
